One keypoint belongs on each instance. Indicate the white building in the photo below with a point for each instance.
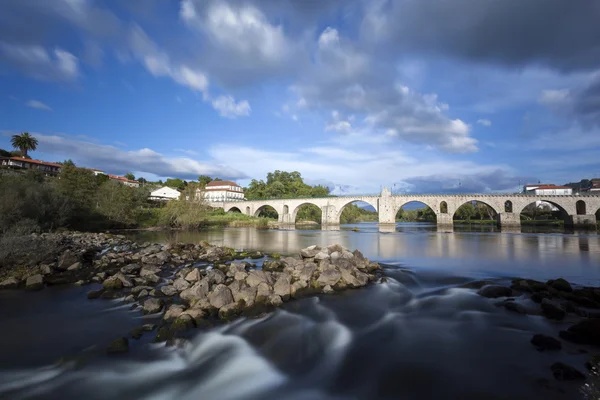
(219, 191)
(548, 190)
(165, 193)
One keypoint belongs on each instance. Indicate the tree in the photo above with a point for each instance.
(204, 180)
(68, 163)
(24, 142)
(130, 176)
(176, 183)
(282, 185)
(142, 180)
(5, 153)
(465, 212)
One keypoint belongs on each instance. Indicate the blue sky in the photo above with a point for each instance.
(416, 96)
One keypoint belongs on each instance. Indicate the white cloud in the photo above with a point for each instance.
(110, 158)
(36, 61)
(39, 105)
(554, 97)
(228, 108)
(484, 122)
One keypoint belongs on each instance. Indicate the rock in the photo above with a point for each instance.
(272, 266)
(329, 277)
(136, 290)
(275, 300)
(66, 259)
(350, 279)
(327, 289)
(45, 269)
(147, 270)
(263, 292)
(291, 262)
(513, 306)
(151, 278)
(131, 269)
(181, 284)
(163, 256)
(112, 282)
(137, 333)
(283, 286)
(76, 266)
(152, 306)
(257, 277)
(174, 311)
(306, 272)
(335, 255)
(215, 277)
(347, 255)
(220, 296)
(255, 255)
(229, 310)
(143, 293)
(183, 323)
(543, 342)
(155, 293)
(586, 331)
(94, 294)
(121, 345)
(552, 310)
(125, 281)
(197, 315)
(335, 248)
(560, 284)
(310, 252)
(198, 291)
(528, 285)
(322, 255)
(494, 291)
(298, 287)
(9, 283)
(169, 290)
(129, 299)
(151, 250)
(564, 372)
(35, 282)
(243, 292)
(193, 276)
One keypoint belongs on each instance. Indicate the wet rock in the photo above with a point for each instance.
(193, 276)
(66, 259)
(255, 255)
(495, 291)
(183, 323)
(564, 372)
(586, 331)
(129, 299)
(275, 300)
(476, 284)
(131, 269)
(169, 290)
(149, 270)
(327, 289)
(538, 297)
(152, 306)
(9, 283)
(46, 269)
(263, 292)
(125, 281)
(197, 314)
(151, 279)
(181, 284)
(272, 266)
(283, 286)
(215, 277)
(322, 255)
(220, 296)
(310, 251)
(121, 345)
(543, 342)
(94, 294)
(560, 285)
(552, 310)
(136, 290)
(137, 333)
(112, 283)
(76, 266)
(298, 287)
(174, 311)
(229, 311)
(198, 291)
(257, 277)
(35, 282)
(329, 277)
(151, 250)
(143, 293)
(513, 306)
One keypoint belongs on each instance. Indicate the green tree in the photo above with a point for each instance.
(68, 163)
(5, 153)
(204, 180)
(282, 184)
(130, 176)
(24, 143)
(465, 212)
(176, 183)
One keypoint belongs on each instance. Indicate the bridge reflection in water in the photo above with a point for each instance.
(486, 253)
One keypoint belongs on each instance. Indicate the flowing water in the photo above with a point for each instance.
(417, 336)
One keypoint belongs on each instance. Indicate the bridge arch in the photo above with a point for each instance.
(231, 208)
(443, 207)
(266, 208)
(425, 213)
(304, 204)
(535, 208)
(234, 210)
(341, 206)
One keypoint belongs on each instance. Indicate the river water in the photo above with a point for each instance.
(416, 336)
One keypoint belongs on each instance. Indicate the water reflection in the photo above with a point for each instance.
(482, 253)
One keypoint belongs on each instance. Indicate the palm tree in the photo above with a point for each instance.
(24, 142)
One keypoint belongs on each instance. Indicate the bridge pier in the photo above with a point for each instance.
(286, 219)
(586, 221)
(444, 219)
(509, 220)
(329, 216)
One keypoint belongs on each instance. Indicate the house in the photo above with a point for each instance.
(47, 168)
(595, 185)
(123, 180)
(165, 193)
(547, 189)
(98, 172)
(219, 191)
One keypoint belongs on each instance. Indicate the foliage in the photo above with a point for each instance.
(187, 214)
(130, 176)
(24, 143)
(67, 163)
(204, 180)
(353, 213)
(465, 212)
(283, 185)
(176, 183)
(309, 212)
(5, 153)
(119, 203)
(419, 214)
(142, 180)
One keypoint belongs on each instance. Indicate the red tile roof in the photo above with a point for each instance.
(221, 183)
(38, 162)
(121, 178)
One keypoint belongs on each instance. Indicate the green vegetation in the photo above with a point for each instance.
(24, 143)
(283, 185)
(353, 213)
(424, 214)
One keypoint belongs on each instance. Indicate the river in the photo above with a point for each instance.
(417, 336)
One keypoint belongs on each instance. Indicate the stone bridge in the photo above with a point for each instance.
(576, 210)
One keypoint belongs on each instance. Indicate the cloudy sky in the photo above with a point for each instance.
(416, 95)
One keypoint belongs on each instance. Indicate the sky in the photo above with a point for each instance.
(427, 96)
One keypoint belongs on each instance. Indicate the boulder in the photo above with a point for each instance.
(112, 282)
(306, 272)
(138, 289)
(35, 282)
(257, 277)
(543, 342)
(131, 269)
(283, 286)
(560, 284)
(169, 290)
(66, 259)
(174, 311)
(121, 345)
(291, 262)
(45, 269)
(229, 310)
(272, 266)
(322, 255)
(9, 283)
(151, 279)
(193, 276)
(125, 281)
(350, 279)
(215, 277)
(143, 293)
(151, 250)
(513, 306)
(243, 292)
(220, 296)
(552, 310)
(347, 255)
(297, 288)
(335, 247)
(94, 294)
(310, 251)
(197, 314)
(327, 289)
(564, 372)
(198, 291)
(335, 255)
(495, 291)
(586, 331)
(136, 333)
(330, 277)
(181, 284)
(263, 292)
(152, 306)
(76, 266)
(183, 323)
(275, 300)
